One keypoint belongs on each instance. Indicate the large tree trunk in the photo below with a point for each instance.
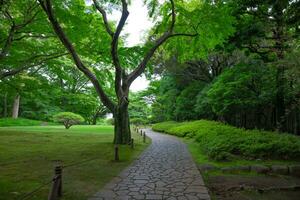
(122, 126)
(15, 111)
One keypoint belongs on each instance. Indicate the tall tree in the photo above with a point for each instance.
(123, 79)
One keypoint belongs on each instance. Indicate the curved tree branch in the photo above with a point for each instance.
(26, 66)
(168, 34)
(104, 16)
(114, 44)
(114, 50)
(47, 7)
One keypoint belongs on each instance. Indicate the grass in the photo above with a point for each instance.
(28, 156)
(22, 122)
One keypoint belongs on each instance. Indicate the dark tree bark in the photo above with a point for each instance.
(122, 125)
(279, 35)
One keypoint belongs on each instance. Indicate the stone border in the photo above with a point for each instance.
(291, 170)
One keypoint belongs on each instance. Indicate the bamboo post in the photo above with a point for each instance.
(56, 189)
(117, 153)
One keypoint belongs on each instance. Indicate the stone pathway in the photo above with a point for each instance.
(164, 171)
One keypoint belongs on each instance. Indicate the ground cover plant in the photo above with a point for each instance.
(28, 156)
(223, 142)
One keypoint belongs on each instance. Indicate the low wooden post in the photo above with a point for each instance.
(141, 132)
(144, 137)
(56, 189)
(132, 143)
(116, 152)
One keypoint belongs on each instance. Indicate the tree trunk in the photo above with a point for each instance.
(5, 105)
(94, 120)
(122, 126)
(280, 105)
(15, 111)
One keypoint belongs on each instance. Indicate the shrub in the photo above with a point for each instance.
(68, 119)
(223, 142)
(139, 121)
(164, 126)
(110, 121)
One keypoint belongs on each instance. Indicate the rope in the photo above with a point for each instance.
(80, 162)
(26, 196)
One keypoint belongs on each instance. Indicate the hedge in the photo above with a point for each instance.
(222, 142)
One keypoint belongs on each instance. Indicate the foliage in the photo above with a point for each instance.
(139, 121)
(110, 121)
(245, 86)
(221, 142)
(185, 102)
(68, 119)
(164, 126)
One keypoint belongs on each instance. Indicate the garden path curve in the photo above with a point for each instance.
(164, 171)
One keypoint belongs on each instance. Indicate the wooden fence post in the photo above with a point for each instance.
(132, 143)
(144, 137)
(141, 132)
(56, 189)
(116, 152)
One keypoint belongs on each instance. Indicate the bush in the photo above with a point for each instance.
(222, 142)
(68, 119)
(110, 121)
(164, 126)
(138, 121)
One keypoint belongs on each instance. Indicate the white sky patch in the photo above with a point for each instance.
(135, 29)
(141, 83)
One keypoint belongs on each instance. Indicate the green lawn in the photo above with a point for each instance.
(28, 155)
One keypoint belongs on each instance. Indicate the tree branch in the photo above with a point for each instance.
(114, 44)
(104, 16)
(47, 7)
(114, 50)
(25, 67)
(168, 34)
(8, 42)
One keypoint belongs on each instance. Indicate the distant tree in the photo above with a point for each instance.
(68, 119)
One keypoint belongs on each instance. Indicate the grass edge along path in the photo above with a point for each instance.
(28, 154)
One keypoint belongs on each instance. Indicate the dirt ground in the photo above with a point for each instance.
(252, 187)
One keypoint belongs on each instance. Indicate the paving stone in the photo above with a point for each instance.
(261, 169)
(294, 170)
(165, 170)
(280, 169)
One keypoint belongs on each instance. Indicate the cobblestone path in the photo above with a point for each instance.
(164, 171)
